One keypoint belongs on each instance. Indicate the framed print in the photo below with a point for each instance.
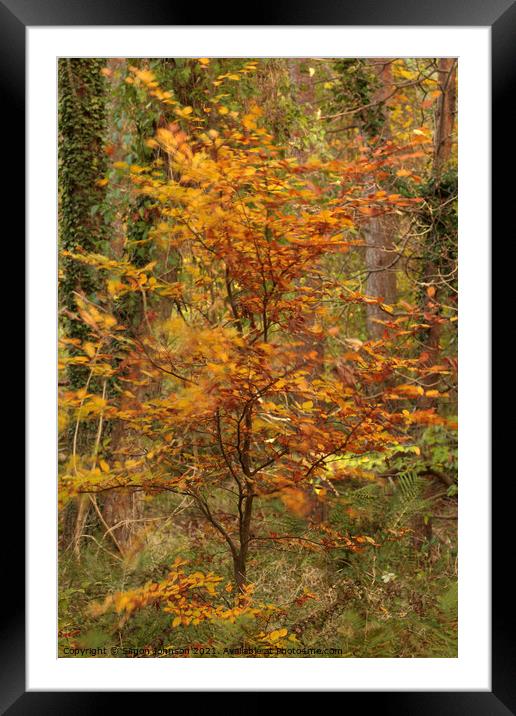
(259, 308)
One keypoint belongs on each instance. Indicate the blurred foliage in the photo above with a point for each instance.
(392, 596)
(395, 600)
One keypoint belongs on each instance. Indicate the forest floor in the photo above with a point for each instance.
(395, 600)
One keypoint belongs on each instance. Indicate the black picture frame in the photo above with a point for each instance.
(15, 16)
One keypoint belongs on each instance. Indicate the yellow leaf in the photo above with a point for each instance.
(307, 405)
(248, 121)
(176, 621)
(104, 466)
(146, 76)
(114, 286)
(109, 321)
(184, 112)
(89, 349)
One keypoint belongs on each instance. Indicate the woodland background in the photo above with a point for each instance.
(258, 356)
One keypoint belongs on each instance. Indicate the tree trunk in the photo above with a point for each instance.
(240, 558)
(445, 119)
(120, 507)
(443, 144)
(381, 280)
(81, 164)
(239, 572)
(379, 233)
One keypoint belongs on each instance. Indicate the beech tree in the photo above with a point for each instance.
(237, 413)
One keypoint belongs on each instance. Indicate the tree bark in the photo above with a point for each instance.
(119, 507)
(443, 145)
(81, 163)
(381, 280)
(379, 233)
(245, 533)
(445, 119)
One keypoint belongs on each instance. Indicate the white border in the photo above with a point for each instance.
(471, 671)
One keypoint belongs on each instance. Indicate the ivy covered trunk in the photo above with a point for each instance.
(81, 226)
(81, 163)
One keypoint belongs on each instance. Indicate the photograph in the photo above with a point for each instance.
(257, 324)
